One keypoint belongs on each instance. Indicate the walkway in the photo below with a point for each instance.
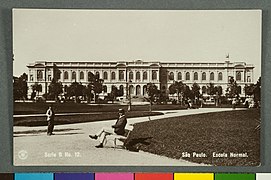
(71, 145)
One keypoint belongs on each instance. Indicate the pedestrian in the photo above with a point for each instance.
(118, 128)
(50, 119)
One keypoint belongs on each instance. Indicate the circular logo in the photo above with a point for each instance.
(23, 154)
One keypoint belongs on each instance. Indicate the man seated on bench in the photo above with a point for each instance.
(118, 128)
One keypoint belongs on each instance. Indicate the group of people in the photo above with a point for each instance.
(118, 128)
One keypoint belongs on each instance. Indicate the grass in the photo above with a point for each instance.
(220, 132)
(79, 118)
(40, 108)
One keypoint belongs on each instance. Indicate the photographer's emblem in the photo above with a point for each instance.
(23, 154)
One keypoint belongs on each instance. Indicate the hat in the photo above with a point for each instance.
(121, 111)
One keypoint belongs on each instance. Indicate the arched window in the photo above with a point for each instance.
(105, 89)
(212, 76)
(145, 75)
(113, 76)
(131, 75)
(131, 89)
(154, 75)
(121, 90)
(137, 75)
(66, 75)
(81, 75)
(97, 74)
(171, 76)
(196, 77)
(39, 75)
(138, 90)
(90, 76)
(144, 90)
(187, 76)
(204, 89)
(238, 76)
(203, 76)
(220, 76)
(121, 75)
(179, 76)
(105, 75)
(73, 75)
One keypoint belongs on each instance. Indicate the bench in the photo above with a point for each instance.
(115, 137)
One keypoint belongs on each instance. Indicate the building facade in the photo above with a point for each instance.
(136, 74)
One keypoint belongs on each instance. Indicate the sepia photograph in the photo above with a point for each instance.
(136, 87)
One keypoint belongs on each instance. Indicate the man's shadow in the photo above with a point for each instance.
(131, 144)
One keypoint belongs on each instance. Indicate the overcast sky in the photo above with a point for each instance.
(112, 35)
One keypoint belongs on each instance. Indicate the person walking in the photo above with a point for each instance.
(50, 119)
(118, 128)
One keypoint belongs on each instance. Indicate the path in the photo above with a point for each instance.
(71, 145)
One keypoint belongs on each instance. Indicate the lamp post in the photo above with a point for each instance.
(128, 94)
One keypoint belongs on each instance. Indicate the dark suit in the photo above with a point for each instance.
(119, 127)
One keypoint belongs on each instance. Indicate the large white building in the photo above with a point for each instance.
(136, 74)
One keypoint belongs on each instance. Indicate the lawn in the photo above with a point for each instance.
(40, 108)
(79, 118)
(220, 132)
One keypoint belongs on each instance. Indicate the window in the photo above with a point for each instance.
(179, 76)
(121, 75)
(212, 76)
(203, 76)
(49, 78)
(187, 76)
(137, 75)
(39, 75)
(31, 77)
(171, 76)
(90, 76)
(220, 76)
(121, 90)
(66, 75)
(81, 75)
(105, 89)
(131, 75)
(131, 89)
(238, 76)
(196, 76)
(138, 92)
(248, 79)
(97, 74)
(145, 75)
(144, 90)
(154, 75)
(105, 76)
(113, 76)
(73, 75)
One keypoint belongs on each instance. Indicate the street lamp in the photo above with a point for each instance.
(128, 94)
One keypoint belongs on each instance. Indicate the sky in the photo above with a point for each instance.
(149, 35)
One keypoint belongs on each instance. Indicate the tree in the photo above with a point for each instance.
(113, 94)
(152, 91)
(55, 88)
(95, 84)
(211, 89)
(257, 92)
(178, 88)
(195, 90)
(232, 89)
(20, 87)
(218, 93)
(37, 88)
(75, 89)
